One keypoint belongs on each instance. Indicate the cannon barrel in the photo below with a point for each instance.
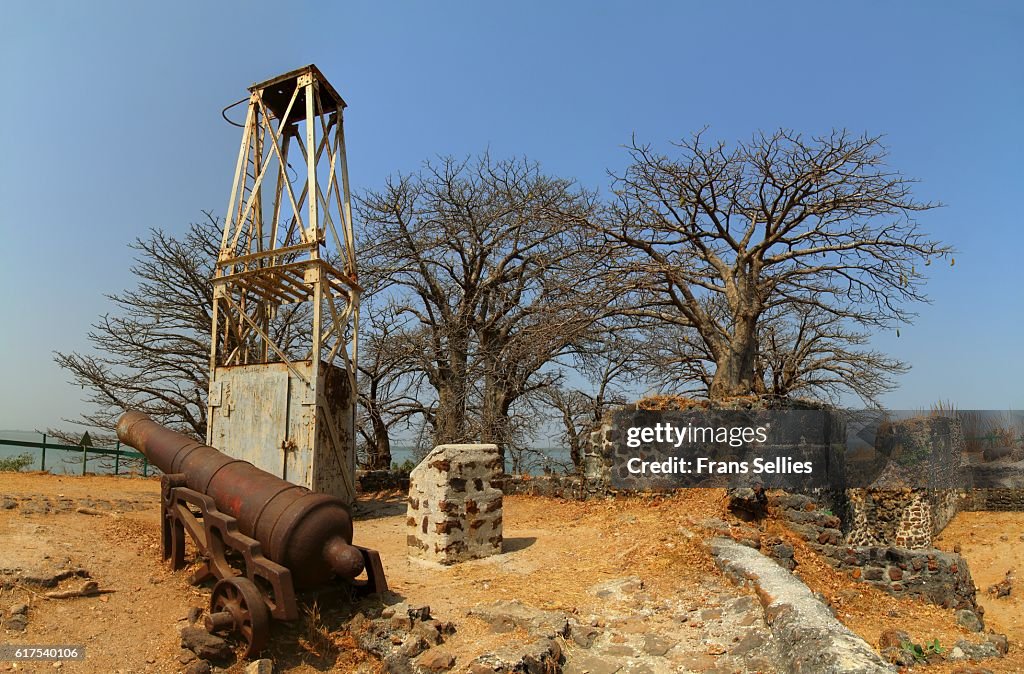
(309, 533)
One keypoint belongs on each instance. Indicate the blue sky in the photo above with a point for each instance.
(111, 125)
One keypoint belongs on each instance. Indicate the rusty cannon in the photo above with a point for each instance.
(263, 539)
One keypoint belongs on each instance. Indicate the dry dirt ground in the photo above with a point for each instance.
(556, 552)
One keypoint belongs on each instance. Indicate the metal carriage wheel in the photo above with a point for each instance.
(237, 606)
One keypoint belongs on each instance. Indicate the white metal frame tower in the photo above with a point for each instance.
(287, 257)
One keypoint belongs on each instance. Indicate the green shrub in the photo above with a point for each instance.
(920, 652)
(16, 464)
(405, 467)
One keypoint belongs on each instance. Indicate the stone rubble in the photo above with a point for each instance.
(261, 666)
(540, 651)
(633, 634)
(199, 667)
(16, 618)
(407, 639)
(940, 578)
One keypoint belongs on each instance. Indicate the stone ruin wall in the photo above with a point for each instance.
(912, 518)
(607, 440)
(381, 480)
(550, 486)
(906, 518)
(1002, 500)
(935, 576)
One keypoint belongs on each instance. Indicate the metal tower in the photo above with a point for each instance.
(285, 295)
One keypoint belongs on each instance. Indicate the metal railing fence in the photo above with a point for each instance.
(115, 452)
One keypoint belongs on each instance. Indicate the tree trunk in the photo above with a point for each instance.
(576, 452)
(450, 418)
(494, 421)
(735, 369)
(380, 458)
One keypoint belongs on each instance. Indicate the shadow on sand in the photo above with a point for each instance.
(380, 504)
(518, 543)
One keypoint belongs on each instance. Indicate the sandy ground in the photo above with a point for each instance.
(555, 552)
(993, 544)
(132, 628)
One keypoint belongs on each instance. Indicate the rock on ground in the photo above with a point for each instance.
(205, 645)
(505, 616)
(968, 619)
(436, 660)
(811, 639)
(262, 666)
(199, 667)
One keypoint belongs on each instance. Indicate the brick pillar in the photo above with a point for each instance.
(454, 510)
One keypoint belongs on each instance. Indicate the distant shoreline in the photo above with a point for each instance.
(69, 463)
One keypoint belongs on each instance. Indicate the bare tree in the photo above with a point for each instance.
(675, 357)
(607, 364)
(811, 353)
(152, 353)
(780, 221)
(801, 351)
(389, 382)
(491, 259)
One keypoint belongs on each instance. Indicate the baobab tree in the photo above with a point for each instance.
(768, 225)
(492, 260)
(151, 352)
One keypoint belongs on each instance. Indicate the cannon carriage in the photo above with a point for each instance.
(264, 540)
